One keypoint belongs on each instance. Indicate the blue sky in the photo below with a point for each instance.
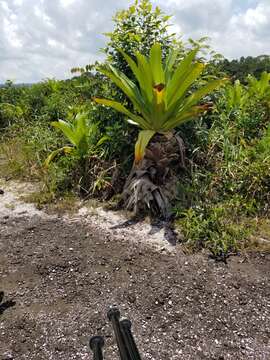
(45, 38)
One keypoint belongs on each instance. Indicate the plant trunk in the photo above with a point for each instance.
(151, 185)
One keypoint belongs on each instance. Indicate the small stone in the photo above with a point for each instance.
(7, 357)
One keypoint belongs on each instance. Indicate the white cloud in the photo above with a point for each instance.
(236, 27)
(45, 38)
(10, 30)
(257, 17)
(247, 33)
(66, 3)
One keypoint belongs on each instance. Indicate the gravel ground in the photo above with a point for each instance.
(64, 273)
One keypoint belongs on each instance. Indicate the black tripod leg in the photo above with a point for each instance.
(129, 340)
(114, 316)
(96, 344)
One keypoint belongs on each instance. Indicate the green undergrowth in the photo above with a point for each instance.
(66, 203)
(221, 228)
(260, 241)
(223, 194)
(23, 151)
(224, 198)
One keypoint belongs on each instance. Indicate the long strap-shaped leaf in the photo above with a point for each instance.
(53, 154)
(80, 129)
(180, 95)
(121, 108)
(67, 129)
(129, 88)
(187, 104)
(140, 75)
(199, 94)
(182, 117)
(156, 64)
(145, 69)
(264, 82)
(170, 64)
(180, 74)
(180, 92)
(159, 106)
(125, 80)
(135, 96)
(142, 142)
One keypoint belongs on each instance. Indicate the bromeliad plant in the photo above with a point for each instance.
(81, 133)
(236, 96)
(161, 97)
(260, 88)
(84, 136)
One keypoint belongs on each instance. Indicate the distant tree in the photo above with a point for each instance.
(239, 69)
(9, 83)
(136, 30)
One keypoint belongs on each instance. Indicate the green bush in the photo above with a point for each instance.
(229, 154)
(136, 30)
(212, 227)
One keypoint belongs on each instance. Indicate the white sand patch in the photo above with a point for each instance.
(11, 204)
(121, 227)
(114, 224)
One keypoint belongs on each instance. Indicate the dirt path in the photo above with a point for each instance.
(64, 273)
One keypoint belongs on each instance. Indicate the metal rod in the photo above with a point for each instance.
(1, 296)
(131, 346)
(114, 316)
(96, 344)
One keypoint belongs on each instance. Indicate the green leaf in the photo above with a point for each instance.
(180, 74)
(159, 105)
(81, 128)
(182, 88)
(53, 154)
(145, 69)
(122, 109)
(103, 140)
(125, 84)
(181, 118)
(132, 64)
(142, 142)
(162, 96)
(67, 129)
(169, 64)
(156, 64)
(199, 94)
(140, 74)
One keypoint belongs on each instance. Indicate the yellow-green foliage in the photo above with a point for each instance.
(162, 97)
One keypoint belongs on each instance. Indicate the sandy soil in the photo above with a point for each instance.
(64, 273)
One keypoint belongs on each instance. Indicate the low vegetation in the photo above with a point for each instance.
(201, 134)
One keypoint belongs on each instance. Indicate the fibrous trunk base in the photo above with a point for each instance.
(151, 185)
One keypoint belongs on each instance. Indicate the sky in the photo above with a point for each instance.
(45, 38)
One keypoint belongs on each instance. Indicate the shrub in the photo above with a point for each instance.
(211, 227)
(136, 30)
